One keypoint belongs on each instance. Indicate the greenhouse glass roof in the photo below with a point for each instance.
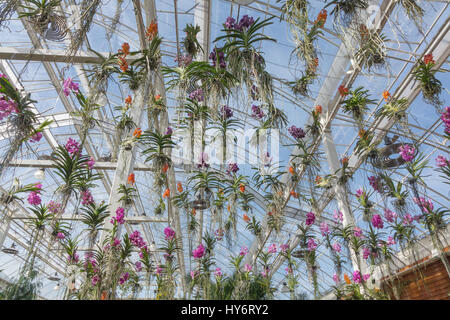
(321, 105)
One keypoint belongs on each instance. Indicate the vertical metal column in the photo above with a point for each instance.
(4, 226)
(332, 81)
(126, 159)
(173, 213)
(202, 15)
(341, 193)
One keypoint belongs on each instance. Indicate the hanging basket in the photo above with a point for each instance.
(300, 254)
(57, 29)
(367, 214)
(200, 204)
(399, 204)
(6, 199)
(191, 87)
(202, 201)
(46, 156)
(10, 250)
(128, 146)
(383, 159)
(54, 277)
(106, 158)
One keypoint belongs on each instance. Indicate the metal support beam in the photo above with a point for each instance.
(93, 95)
(130, 220)
(341, 193)
(331, 82)
(440, 46)
(126, 159)
(44, 257)
(409, 89)
(4, 225)
(53, 55)
(173, 212)
(8, 71)
(57, 84)
(202, 16)
(26, 163)
(16, 206)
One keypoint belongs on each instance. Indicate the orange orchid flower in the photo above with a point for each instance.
(128, 100)
(318, 179)
(166, 193)
(363, 31)
(292, 170)
(137, 132)
(318, 109)
(343, 91)
(344, 161)
(428, 58)
(347, 279)
(152, 30)
(123, 64)
(103, 296)
(316, 62)
(294, 194)
(321, 18)
(361, 133)
(165, 167)
(193, 212)
(246, 218)
(179, 187)
(242, 187)
(386, 95)
(229, 208)
(125, 49)
(158, 97)
(313, 64)
(131, 179)
(270, 213)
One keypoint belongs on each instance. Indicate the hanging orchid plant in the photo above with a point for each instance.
(156, 146)
(191, 44)
(18, 109)
(345, 11)
(42, 14)
(244, 60)
(73, 169)
(394, 109)
(357, 104)
(372, 48)
(414, 11)
(430, 85)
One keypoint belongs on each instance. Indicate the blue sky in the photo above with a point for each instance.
(280, 62)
